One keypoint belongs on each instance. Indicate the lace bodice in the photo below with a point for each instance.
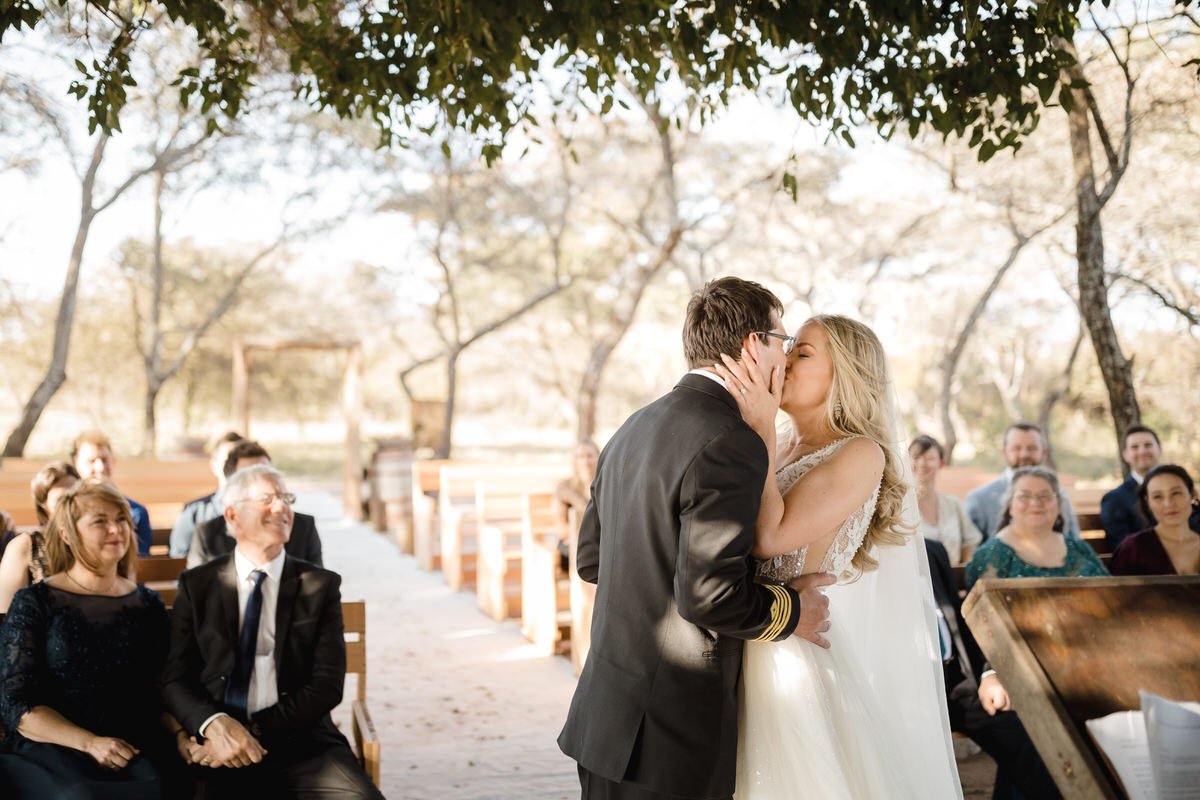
(849, 538)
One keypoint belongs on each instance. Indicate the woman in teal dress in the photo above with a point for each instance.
(1030, 543)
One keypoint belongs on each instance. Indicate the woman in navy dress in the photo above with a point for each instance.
(1171, 547)
(80, 656)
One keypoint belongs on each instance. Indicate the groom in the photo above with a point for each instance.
(666, 539)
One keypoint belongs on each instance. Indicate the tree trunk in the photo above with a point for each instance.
(56, 373)
(152, 347)
(1093, 289)
(443, 449)
(150, 426)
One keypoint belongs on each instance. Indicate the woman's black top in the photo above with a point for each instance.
(92, 658)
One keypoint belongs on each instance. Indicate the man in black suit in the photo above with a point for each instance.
(1121, 514)
(999, 732)
(666, 538)
(258, 659)
(211, 538)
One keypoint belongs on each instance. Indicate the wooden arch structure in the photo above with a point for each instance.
(352, 404)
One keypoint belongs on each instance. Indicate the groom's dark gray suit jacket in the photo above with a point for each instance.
(667, 539)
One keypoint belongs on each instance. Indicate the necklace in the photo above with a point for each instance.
(105, 590)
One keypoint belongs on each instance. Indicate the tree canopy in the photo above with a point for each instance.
(963, 67)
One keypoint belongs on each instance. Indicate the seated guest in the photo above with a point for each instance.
(80, 658)
(202, 509)
(24, 560)
(260, 700)
(1030, 542)
(1024, 446)
(999, 733)
(942, 516)
(212, 539)
(1121, 512)
(1171, 546)
(92, 455)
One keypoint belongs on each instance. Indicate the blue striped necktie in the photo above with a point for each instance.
(239, 683)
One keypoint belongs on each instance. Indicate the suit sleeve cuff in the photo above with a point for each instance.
(204, 725)
(785, 613)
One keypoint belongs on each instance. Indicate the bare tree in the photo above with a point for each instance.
(460, 260)
(1084, 117)
(948, 368)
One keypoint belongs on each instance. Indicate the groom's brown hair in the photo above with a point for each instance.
(721, 314)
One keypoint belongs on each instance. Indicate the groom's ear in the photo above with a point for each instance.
(750, 345)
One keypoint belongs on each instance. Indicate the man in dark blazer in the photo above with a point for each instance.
(1121, 513)
(258, 660)
(999, 733)
(211, 538)
(666, 538)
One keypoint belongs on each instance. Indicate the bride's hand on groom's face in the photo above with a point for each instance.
(814, 606)
(757, 398)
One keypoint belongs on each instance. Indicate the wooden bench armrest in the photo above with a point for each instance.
(366, 741)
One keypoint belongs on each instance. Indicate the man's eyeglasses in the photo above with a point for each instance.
(789, 342)
(287, 498)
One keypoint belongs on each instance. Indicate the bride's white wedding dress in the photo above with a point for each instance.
(865, 719)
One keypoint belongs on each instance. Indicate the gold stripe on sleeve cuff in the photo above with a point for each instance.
(781, 613)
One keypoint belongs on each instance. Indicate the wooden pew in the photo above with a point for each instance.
(161, 574)
(458, 522)
(545, 588)
(366, 741)
(1072, 649)
(504, 509)
(425, 477)
(162, 486)
(498, 512)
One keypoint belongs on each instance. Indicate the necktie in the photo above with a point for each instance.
(239, 683)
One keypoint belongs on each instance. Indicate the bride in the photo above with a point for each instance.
(867, 717)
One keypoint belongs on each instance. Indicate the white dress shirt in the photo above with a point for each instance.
(264, 690)
(712, 376)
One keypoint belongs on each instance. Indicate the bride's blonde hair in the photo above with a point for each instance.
(859, 405)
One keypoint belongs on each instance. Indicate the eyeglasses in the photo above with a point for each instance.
(789, 342)
(1043, 498)
(287, 498)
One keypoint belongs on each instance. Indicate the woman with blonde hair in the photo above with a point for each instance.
(865, 718)
(80, 656)
(24, 561)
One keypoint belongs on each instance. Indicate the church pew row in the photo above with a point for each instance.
(506, 516)
(458, 521)
(545, 591)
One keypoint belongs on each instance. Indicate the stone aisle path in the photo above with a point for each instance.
(464, 709)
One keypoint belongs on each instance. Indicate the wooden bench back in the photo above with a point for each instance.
(354, 620)
(1072, 649)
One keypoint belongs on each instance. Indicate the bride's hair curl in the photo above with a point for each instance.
(859, 404)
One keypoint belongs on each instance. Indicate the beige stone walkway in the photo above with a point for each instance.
(464, 709)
